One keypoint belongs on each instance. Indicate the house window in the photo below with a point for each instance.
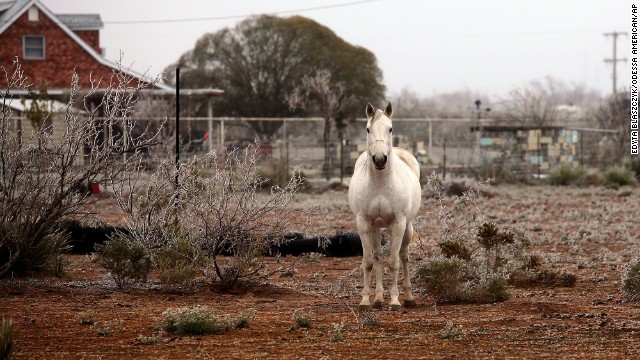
(33, 13)
(34, 47)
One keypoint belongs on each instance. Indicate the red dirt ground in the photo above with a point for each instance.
(591, 232)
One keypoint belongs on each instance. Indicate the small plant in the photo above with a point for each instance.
(301, 319)
(450, 331)
(633, 165)
(44, 255)
(336, 333)
(7, 333)
(181, 260)
(87, 318)
(564, 175)
(125, 260)
(148, 340)
(196, 320)
(108, 327)
(442, 278)
(617, 176)
(631, 282)
(591, 178)
(494, 289)
(245, 319)
(492, 239)
(369, 318)
(314, 257)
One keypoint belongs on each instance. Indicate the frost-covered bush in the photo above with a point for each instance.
(631, 282)
(196, 320)
(125, 260)
(475, 260)
(42, 178)
(618, 176)
(199, 320)
(564, 175)
(213, 218)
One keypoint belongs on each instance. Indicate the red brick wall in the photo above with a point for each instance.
(91, 37)
(62, 55)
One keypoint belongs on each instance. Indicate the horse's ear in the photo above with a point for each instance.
(388, 110)
(370, 110)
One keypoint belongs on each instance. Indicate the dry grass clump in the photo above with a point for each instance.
(201, 320)
(631, 282)
(564, 175)
(618, 176)
(7, 334)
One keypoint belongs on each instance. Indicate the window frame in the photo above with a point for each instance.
(24, 47)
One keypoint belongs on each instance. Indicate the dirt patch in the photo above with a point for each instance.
(592, 233)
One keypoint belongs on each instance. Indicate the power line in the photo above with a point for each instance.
(228, 17)
(614, 60)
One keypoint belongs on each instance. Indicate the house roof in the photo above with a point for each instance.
(51, 106)
(81, 21)
(10, 11)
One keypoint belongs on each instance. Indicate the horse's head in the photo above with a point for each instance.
(379, 135)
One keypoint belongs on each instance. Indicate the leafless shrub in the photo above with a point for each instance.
(213, 207)
(40, 178)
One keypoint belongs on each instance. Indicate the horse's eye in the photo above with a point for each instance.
(367, 130)
(391, 129)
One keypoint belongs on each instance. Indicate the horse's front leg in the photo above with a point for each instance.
(397, 230)
(377, 264)
(365, 230)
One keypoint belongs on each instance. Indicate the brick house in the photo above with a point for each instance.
(50, 46)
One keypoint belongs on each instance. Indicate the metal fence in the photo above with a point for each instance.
(443, 145)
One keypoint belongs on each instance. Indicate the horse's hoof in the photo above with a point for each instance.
(396, 307)
(377, 304)
(410, 303)
(362, 307)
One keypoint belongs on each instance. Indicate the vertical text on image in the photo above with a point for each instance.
(634, 80)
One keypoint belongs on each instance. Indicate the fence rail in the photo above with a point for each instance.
(438, 143)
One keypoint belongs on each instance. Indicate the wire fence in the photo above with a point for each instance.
(446, 146)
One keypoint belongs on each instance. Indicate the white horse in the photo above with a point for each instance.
(384, 192)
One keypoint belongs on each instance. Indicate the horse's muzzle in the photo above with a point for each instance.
(379, 161)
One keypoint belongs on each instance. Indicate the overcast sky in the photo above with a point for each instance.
(427, 46)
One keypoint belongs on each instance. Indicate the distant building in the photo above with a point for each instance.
(538, 148)
(51, 46)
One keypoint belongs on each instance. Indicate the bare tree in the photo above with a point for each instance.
(614, 115)
(317, 93)
(40, 186)
(531, 105)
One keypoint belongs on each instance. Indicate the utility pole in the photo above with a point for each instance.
(614, 60)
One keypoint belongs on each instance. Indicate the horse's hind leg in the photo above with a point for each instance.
(409, 301)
